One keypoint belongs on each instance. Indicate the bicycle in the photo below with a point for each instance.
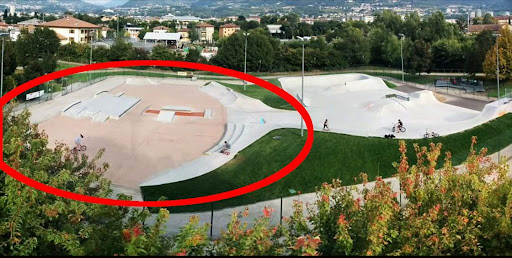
(430, 135)
(225, 151)
(75, 149)
(402, 128)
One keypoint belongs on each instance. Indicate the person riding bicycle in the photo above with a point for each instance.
(400, 125)
(226, 147)
(78, 141)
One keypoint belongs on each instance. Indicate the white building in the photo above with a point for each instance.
(70, 29)
(160, 29)
(12, 10)
(205, 32)
(182, 21)
(133, 30)
(166, 38)
(274, 28)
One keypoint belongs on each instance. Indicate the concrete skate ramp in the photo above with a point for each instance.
(225, 95)
(102, 106)
(386, 106)
(333, 84)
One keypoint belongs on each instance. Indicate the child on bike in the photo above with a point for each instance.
(78, 141)
(400, 125)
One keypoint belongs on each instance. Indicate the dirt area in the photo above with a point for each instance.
(137, 145)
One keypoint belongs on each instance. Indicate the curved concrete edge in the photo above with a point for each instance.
(70, 105)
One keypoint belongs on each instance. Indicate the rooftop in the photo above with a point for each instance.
(230, 25)
(479, 28)
(204, 25)
(162, 36)
(69, 22)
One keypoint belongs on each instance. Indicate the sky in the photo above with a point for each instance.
(102, 2)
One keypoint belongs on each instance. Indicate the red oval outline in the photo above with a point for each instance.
(167, 203)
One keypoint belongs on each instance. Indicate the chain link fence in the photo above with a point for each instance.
(68, 84)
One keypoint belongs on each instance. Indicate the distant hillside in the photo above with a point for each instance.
(499, 5)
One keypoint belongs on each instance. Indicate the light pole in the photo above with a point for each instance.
(90, 60)
(246, 34)
(402, 37)
(498, 72)
(498, 64)
(303, 39)
(2, 69)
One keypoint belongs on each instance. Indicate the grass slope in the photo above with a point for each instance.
(332, 156)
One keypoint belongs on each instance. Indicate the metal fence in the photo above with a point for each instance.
(66, 85)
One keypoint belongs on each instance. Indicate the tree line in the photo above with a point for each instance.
(428, 44)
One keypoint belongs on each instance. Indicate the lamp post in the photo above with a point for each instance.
(246, 34)
(2, 69)
(90, 60)
(402, 37)
(498, 72)
(498, 64)
(303, 39)
(292, 191)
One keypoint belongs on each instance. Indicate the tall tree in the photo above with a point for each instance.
(505, 57)
(418, 58)
(354, 47)
(385, 47)
(33, 222)
(475, 55)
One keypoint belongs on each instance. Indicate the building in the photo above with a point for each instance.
(30, 25)
(308, 20)
(505, 19)
(12, 29)
(185, 34)
(12, 10)
(274, 29)
(133, 31)
(182, 21)
(205, 32)
(227, 30)
(70, 29)
(253, 18)
(160, 29)
(104, 31)
(231, 18)
(165, 38)
(475, 29)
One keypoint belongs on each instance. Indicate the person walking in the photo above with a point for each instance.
(326, 125)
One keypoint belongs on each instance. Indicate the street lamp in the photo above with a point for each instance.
(498, 64)
(303, 39)
(498, 72)
(2, 69)
(292, 191)
(246, 34)
(402, 37)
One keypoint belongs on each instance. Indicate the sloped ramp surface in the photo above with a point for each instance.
(101, 107)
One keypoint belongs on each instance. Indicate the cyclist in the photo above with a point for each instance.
(226, 147)
(399, 126)
(78, 141)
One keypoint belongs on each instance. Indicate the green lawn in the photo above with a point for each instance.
(332, 156)
(390, 84)
(257, 92)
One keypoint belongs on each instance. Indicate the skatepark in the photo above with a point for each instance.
(168, 130)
